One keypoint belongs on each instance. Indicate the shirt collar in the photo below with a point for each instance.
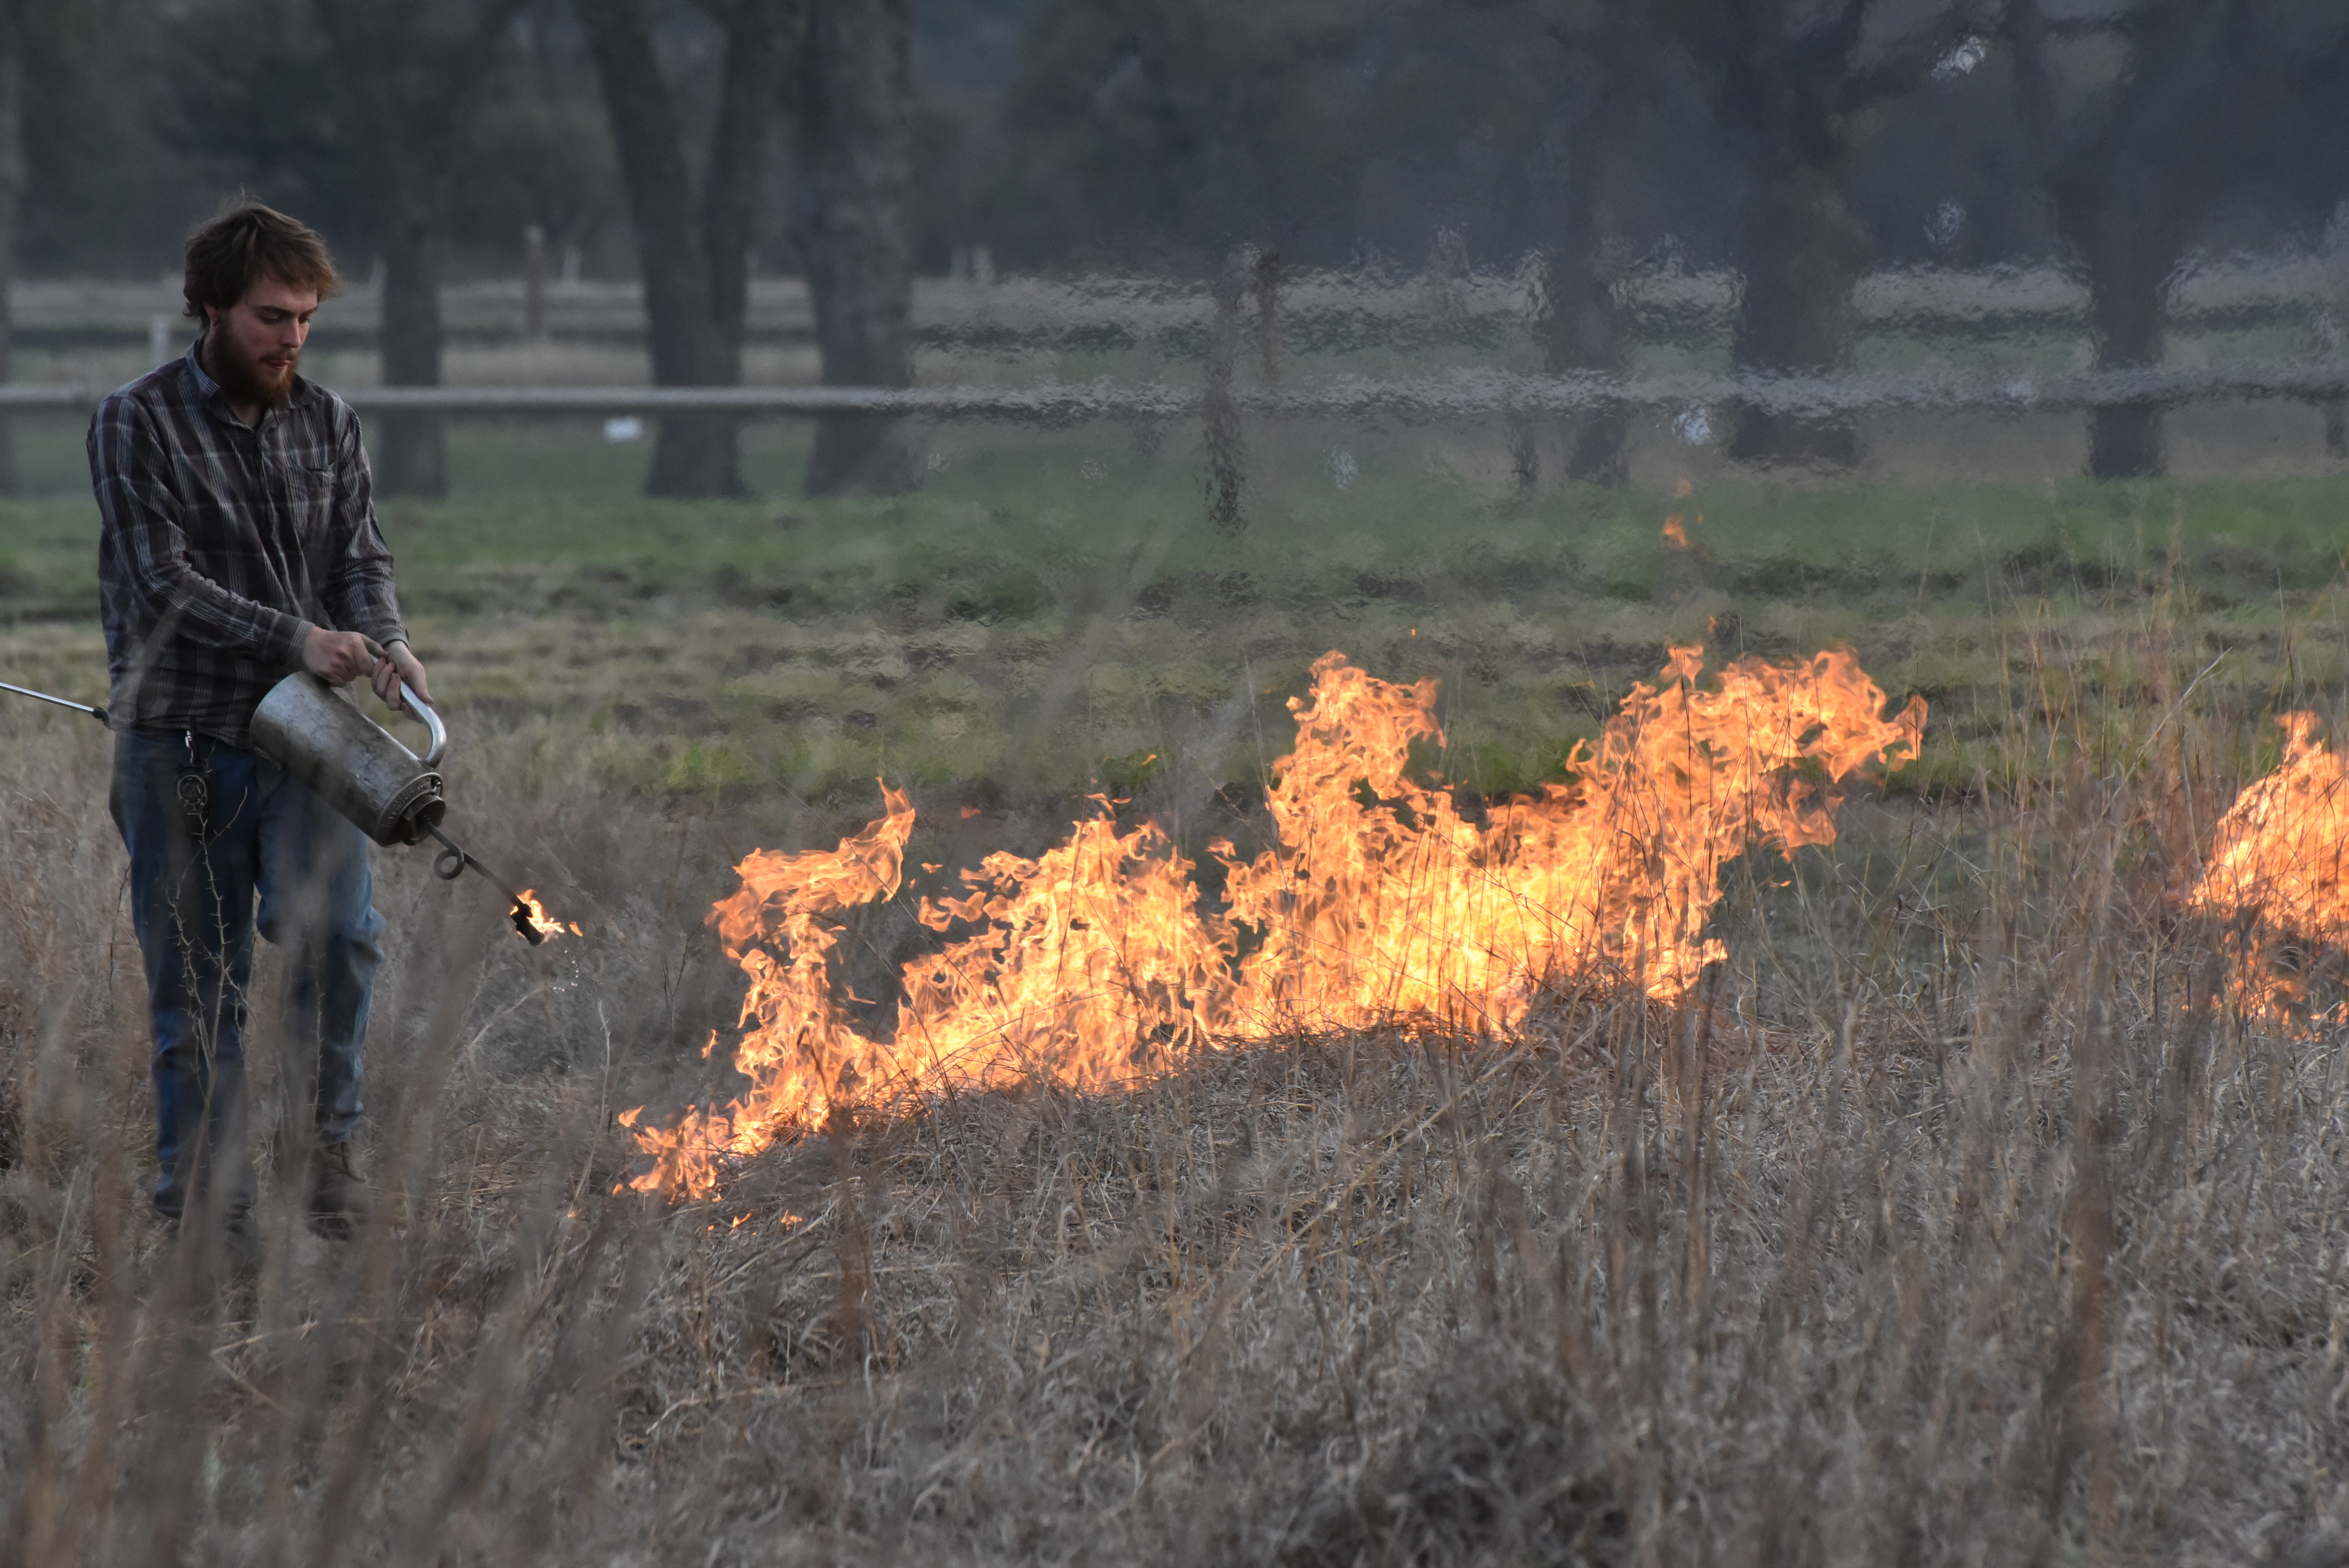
(198, 377)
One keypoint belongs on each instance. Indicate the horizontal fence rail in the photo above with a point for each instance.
(1463, 394)
(1349, 306)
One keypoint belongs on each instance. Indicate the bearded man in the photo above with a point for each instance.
(238, 543)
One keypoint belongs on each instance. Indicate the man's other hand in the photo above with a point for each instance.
(397, 665)
(338, 658)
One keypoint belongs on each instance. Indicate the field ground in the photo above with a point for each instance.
(1953, 1221)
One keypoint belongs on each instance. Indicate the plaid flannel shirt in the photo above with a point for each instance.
(221, 544)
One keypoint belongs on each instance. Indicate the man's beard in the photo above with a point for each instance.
(244, 378)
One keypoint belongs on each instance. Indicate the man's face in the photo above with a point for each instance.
(256, 344)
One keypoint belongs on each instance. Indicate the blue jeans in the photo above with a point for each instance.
(192, 907)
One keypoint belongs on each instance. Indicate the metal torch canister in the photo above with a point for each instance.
(354, 764)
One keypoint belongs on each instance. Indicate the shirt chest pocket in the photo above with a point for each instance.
(309, 501)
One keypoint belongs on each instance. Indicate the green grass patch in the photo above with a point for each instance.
(1060, 616)
(1006, 535)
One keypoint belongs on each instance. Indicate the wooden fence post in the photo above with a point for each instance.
(1219, 408)
(534, 282)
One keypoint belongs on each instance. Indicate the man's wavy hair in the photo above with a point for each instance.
(247, 241)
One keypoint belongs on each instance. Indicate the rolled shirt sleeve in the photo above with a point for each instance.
(361, 590)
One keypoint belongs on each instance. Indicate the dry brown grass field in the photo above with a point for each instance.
(1956, 1217)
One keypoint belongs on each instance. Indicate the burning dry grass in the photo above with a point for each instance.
(1378, 903)
(2276, 874)
(1949, 1220)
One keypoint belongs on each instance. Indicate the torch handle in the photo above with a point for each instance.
(416, 705)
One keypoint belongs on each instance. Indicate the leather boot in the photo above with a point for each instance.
(340, 1200)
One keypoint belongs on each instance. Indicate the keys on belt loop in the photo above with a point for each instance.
(195, 788)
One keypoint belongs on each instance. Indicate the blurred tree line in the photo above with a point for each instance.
(686, 142)
(1799, 142)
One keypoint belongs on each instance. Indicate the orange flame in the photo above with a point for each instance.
(1673, 534)
(1093, 965)
(2276, 869)
(547, 925)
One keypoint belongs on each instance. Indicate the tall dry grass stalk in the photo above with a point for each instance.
(1957, 1219)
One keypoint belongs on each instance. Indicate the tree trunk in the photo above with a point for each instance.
(1579, 317)
(2332, 326)
(755, 49)
(12, 200)
(1220, 408)
(1576, 324)
(411, 146)
(1803, 251)
(2126, 270)
(692, 255)
(411, 447)
(691, 458)
(855, 104)
(2189, 122)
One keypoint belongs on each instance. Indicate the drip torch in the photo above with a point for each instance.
(357, 767)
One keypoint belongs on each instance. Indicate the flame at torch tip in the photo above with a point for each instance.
(1092, 966)
(527, 903)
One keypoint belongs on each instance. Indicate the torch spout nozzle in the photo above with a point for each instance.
(451, 863)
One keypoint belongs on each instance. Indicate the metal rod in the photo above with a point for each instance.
(465, 858)
(97, 713)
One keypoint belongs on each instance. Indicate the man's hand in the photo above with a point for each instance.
(338, 658)
(397, 665)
